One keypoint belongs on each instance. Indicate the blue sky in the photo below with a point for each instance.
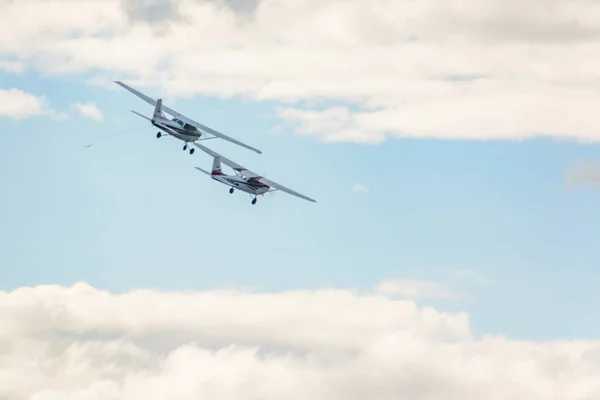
(131, 211)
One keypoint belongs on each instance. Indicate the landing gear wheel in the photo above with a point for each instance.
(185, 147)
(254, 201)
(192, 151)
(231, 190)
(158, 135)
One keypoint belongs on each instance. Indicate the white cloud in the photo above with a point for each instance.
(371, 69)
(360, 188)
(79, 342)
(89, 110)
(17, 104)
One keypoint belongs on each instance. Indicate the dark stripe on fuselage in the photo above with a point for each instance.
(180, 131)
(256, 184)
(253, 185)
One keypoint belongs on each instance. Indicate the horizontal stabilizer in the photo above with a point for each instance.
(203, 170)
(143, 116)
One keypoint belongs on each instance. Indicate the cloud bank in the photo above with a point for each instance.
(79, 342)
(351, 70)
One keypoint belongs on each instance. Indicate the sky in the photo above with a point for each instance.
(452, 150)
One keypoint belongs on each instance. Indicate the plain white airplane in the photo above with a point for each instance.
(244, 179)
(180, 126)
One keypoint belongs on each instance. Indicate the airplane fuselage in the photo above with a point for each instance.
(251, 186)
(185, 132)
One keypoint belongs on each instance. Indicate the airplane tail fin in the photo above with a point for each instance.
(158, 114)
(216, 168)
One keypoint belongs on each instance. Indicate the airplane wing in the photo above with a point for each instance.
(142, 96)
(284, 189)
(224, 160)
(209, 130)
(175, 114)
(249, 173)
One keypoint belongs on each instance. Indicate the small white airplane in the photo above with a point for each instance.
(180, 126)
(244, 179)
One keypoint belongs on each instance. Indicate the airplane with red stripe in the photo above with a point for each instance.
(244, 179)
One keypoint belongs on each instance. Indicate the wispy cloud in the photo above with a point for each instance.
(102, 81)
(15, 67)
(583, 173)
(89, 110)
(358, 188)
(414, 289)
(469, 275)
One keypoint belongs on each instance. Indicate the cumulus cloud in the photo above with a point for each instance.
(17, 104)
(89, 110)
(80, 342)
(352, 70)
